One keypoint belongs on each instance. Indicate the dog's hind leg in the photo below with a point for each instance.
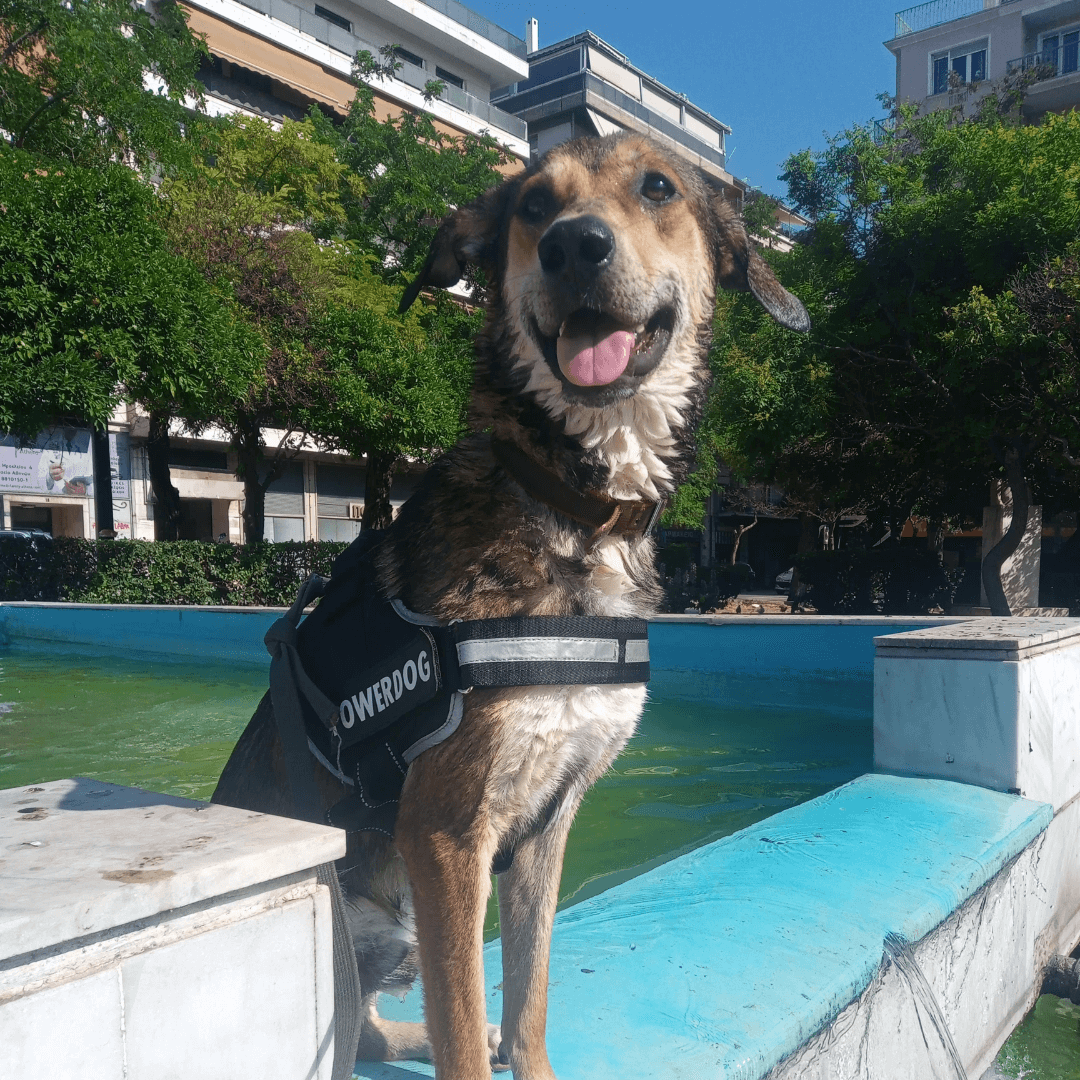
(528, 894)
(389, 1040)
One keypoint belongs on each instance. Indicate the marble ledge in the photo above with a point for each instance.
(983, 639)
(81, 856)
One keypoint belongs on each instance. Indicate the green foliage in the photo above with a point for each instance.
(894, 579)
(71, 79)
(93, 305)
(176, 572)
(413, 173)
(920, 375)
(399, 385)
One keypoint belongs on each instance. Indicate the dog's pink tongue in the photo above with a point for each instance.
(594, 352)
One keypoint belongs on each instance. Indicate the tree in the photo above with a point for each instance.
(72, 80)
(93, 304)
(876, 406)
(413, 171)
(343, 371)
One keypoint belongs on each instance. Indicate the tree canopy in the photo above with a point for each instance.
(924, 375)
(95, 81)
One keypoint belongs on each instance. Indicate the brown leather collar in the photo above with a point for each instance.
(620, 517)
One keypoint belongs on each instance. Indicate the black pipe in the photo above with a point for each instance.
(103, 498)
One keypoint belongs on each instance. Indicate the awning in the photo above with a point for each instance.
(247, 51)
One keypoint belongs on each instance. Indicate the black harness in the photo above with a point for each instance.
(367, 686)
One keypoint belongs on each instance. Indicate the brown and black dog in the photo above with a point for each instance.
(602, 263)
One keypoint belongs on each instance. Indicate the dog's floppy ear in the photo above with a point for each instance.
(740, 267)
(468, 235)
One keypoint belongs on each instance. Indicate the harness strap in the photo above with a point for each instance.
(287, 681)
(551, 650)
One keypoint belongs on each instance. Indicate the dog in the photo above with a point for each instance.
(602, 263)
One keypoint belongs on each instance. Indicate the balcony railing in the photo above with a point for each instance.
(562, 95)
(478, 24)
(923, 16)
(342, 41)
(418, 78)
(1049, 63)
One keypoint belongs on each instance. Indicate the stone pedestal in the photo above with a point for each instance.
(994, 702)
(144, 936)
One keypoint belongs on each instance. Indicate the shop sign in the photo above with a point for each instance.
(58, 462)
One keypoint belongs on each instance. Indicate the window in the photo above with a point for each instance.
(449, 77)
(408, 57)
(1060, 50)
(968, 63)
(331, 16)
(181, 457)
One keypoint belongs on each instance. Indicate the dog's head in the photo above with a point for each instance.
(603, 262)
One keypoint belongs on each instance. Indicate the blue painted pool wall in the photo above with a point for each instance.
(223, 635)
(737, 646)
(750, 648)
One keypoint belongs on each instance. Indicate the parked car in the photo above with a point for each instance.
(783, 581)
(26, 534)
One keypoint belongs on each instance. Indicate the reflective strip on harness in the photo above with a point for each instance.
(549, 650)
(497, 650)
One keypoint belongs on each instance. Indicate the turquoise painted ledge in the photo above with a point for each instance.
(723, 962)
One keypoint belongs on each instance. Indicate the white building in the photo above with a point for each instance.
(275, 58)
(947, 48)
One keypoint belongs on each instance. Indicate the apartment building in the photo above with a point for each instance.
(584, 86)
(946, 48)
(276, 58)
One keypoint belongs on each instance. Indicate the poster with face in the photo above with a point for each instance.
(57, 462)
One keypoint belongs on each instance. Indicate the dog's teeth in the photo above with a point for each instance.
(563, 327)
(639, 329)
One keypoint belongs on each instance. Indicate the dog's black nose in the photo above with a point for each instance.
(579, 247)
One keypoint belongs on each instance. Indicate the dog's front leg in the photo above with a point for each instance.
(528, 894)
(448, 848)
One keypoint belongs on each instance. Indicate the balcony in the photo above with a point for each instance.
(563, 95)
(1049, 63)
(923, 16)
(479, 25)
(348, 45)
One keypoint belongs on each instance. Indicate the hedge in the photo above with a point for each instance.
(895, 579)
(162, 572)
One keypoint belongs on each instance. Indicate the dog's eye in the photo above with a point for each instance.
(658, 187)
(536, 205)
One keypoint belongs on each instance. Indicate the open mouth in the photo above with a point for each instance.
(593, 349)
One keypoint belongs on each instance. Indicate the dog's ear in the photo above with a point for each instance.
(468, 235)
(740, 267)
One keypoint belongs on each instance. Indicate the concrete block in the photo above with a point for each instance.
(82, 856)
(144, 936)
(71, 1030)
(994, 702)
(233, 993)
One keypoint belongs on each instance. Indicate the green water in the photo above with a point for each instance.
(696, 770)
(1046, 1046)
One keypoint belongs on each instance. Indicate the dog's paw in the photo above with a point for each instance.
(499, 1063)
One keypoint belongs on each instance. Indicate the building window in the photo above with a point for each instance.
(332, 16)
(968, 63)
(1060, 50)
(280, 530)
(408, 57)
(449, 77)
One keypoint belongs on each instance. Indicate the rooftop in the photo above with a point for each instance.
(923, 16)
(587, 37)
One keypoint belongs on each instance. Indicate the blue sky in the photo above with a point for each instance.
(779, 74)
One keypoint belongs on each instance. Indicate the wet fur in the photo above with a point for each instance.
(471, 544)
